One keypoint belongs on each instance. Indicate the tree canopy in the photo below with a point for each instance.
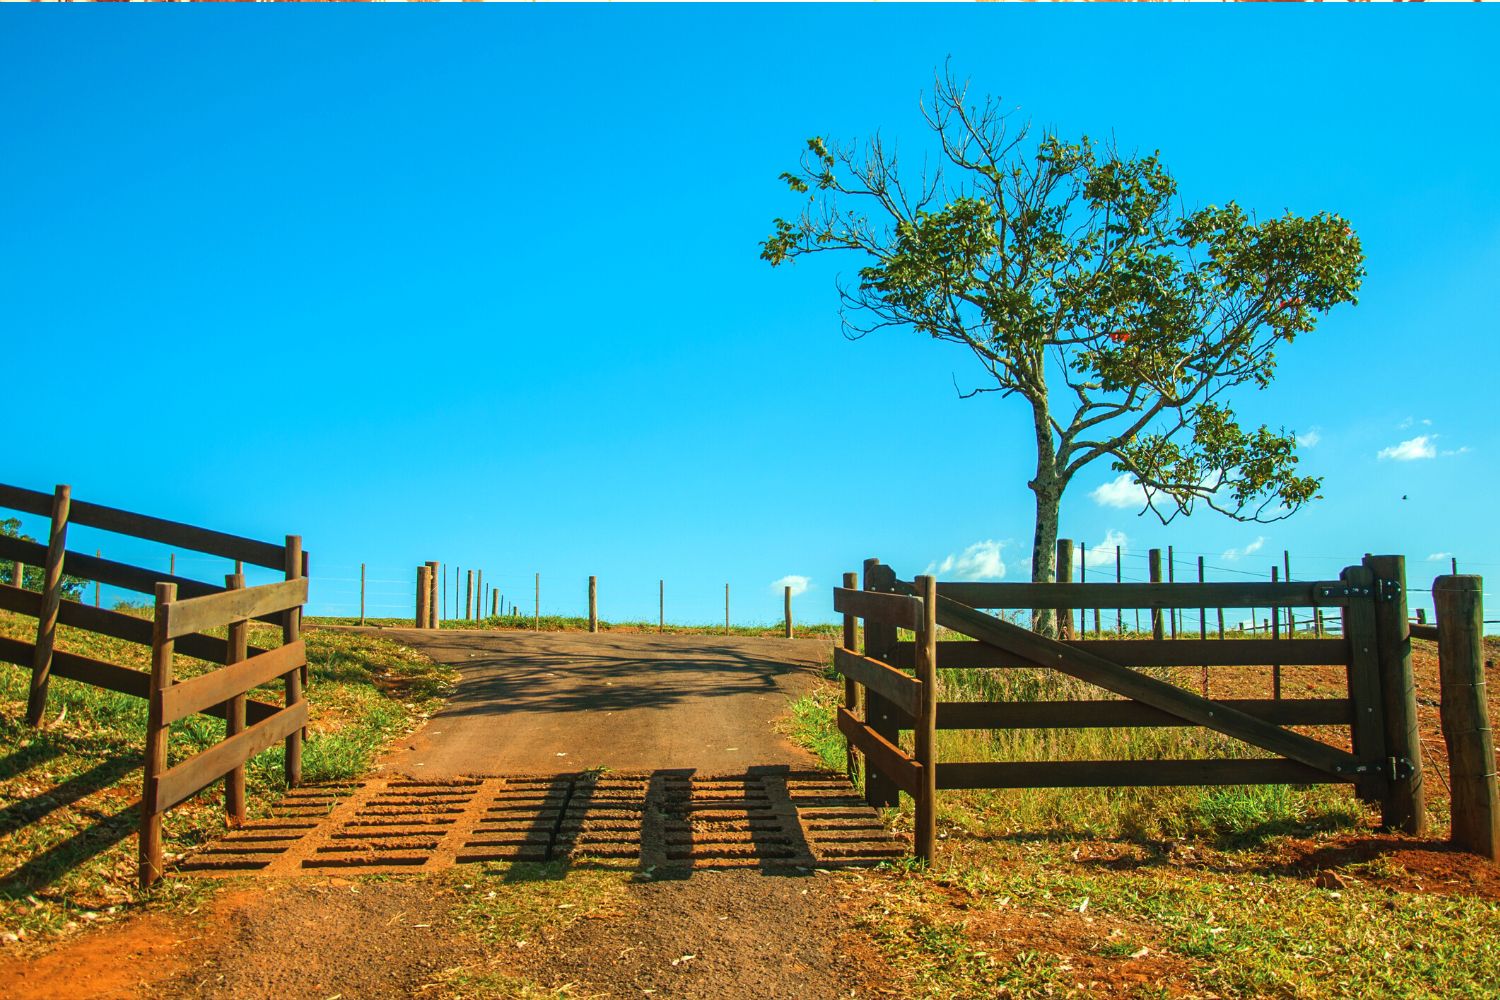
(1082, 284)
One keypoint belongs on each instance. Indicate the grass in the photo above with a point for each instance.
(70, 792)
(564, 623)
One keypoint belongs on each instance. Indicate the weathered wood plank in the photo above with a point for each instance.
(880, 754)
(1132, 773)
(113, 677)
(957, 654)
(1428, 632)
(1121, 714)
(213, 610)
(154, 529)
(199, 693)
(197, 773)
(902, 690)
(1145, 595)
(1093, 669)
(889, 609)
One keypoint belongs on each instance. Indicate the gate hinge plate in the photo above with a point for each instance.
(1387, 590)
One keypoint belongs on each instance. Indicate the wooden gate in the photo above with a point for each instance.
(1378, 712)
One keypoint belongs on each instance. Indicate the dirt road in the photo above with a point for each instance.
(547, 702)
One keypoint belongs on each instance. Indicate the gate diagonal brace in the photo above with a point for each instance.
(1094, 669)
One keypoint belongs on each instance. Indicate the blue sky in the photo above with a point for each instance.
(481, 284)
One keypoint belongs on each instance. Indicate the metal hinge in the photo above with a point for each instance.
(1399, 768)
(1387, 590)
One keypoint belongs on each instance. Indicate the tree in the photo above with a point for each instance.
(1083, 286)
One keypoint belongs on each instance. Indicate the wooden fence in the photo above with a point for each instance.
(1378, 711)
(185, 609)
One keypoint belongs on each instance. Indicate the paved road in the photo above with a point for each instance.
(548, 702)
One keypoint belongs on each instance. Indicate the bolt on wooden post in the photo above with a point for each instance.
(46, 622)
(593, 604)
(1459, 607)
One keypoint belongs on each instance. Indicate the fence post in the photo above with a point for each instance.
(1172, 578)
(46, 623)
(149, 868)
(787, 601)
(1275, 634)
(1119, 612)
(495, 604)
(593, 604)
(1154, 562)
(424, 597)
(1367, 727)
(1065, 575)
(434, 602)
(18, 574)
(851, 689)
(291, 631)
(234, 710)
(1203, 627)
(1405, 806)
(1459, 604)
(469, 596)
(925, 833)
(880, 714)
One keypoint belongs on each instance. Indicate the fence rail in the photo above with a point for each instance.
(185, 609)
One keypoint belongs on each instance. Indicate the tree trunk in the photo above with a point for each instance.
(1048, 491)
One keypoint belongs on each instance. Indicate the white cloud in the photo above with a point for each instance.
(1410, 450)
(799, 584)
(1310, 438)
(1121, 491)
(1234, 555)
(1456, 451)
(980, 561)
(1103, 554)
(1439, 556)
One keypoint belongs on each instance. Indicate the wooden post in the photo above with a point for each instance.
(1453, 564)
(1172, 578)
(1317, 623)
(851, 689)
(787, 607)
(46, 622)
(1367, 723)
(469, 596)
(495, 604)
(1422, 615)
(1405, 805)
(880, 714)
(478, 594)
(172, 564)
(1275, 634)
(434, 602)
(1286, 574)
(424, 597)
(924, 739)
(1459, 604)
(661, 605)
(1065, 575)
(362, 593)
(1203, 627)
(593, 604)
(234, 710)
(18, 575)
(1119, 577)
(150, 861)
(1158, 632)
(291, 631)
